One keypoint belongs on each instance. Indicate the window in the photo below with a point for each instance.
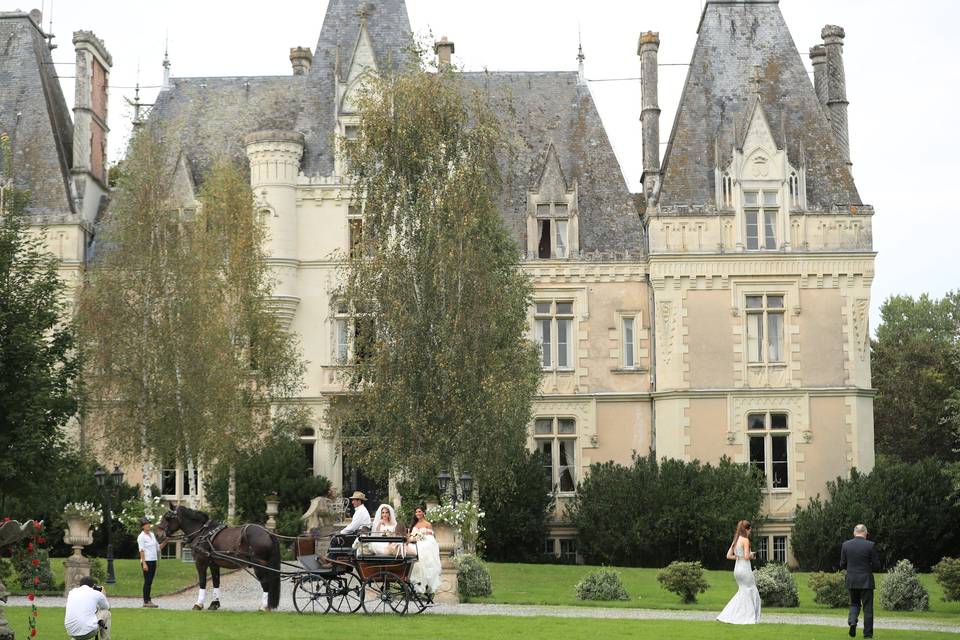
(548, 549)
(553, 326)
(341, 333)
(168, 480)
(552, 225)
(726, 191)
(793, 185)
(355, 224)
(768, 438)
(556, 441)
(628, 342)
(780, 549)
(765, 328)
(761, 548)
(185, 479)
(760, 211)
(568, 550)
(351, 131)
(308, 438)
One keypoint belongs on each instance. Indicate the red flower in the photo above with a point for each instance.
(35, 562)
(30, 597)
(33, 633)
(30, 547)
(41, 540)
(36, 580)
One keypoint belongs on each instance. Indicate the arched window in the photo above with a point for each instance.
(726, 190)
(793, 182)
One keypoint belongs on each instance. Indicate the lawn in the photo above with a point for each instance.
(172, 576)
(227, 625)
(554, 585)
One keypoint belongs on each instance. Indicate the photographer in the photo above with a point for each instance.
(88, 612)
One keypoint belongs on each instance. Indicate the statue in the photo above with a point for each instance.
(12, 532)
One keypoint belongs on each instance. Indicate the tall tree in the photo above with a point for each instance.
(442, 375)
(916, 370)
(39, 365)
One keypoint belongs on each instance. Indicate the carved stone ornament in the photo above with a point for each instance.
(668, 327)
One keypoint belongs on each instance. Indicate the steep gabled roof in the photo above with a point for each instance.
(734, 37)
(34, 114)
(388, 28)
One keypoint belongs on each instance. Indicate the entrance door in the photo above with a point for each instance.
(355, 480)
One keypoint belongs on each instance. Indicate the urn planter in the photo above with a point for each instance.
(273, 508)
(446, 536)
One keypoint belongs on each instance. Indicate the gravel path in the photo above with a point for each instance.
(240, 592)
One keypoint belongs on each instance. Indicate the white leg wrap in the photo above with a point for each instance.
(216, 593)
(263, 600)
(201, 596)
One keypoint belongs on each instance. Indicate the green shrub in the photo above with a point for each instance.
(27, 572)
(474, 577)
(948, 576)
(516, 517)
(901, 590)
(604, 584)
(684, 579)
(829, 589)
(776, 585)
(98, 570)
(289, 522)
(8, 574)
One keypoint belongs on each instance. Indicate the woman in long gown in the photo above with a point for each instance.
(425, 574)
(744, 607)
(385, 524)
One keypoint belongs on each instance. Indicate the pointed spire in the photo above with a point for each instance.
(581, 77)
(166, 64)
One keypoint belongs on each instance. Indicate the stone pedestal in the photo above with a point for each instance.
(446, 537)
(273, 508)
(73, 570)
(77, 535)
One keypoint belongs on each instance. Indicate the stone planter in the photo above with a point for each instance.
(78, 535)
(273, 508)
(446, 536)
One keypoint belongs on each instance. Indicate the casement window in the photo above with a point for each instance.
(355, 229)
(760, 546)
(760, 213)
(175, 480)
(553, 225)
(726, 191)
(553, 326)
(308, 441)
(351, 131)
(765, 318)
(780, 549)
(793, 186)
(556, 441)
(629, 342)
(568, 550)
(341, 333)
(769, 439)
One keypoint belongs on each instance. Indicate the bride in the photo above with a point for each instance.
(385, 524)
(425, 574)
(744, 607)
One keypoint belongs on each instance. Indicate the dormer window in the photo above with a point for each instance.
(760, 210)
(793, 187)
(552, 225)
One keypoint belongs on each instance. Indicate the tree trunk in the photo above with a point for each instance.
(232, 496)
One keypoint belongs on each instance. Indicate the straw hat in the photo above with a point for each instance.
(358, 495)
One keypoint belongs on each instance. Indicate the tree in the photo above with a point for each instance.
(442, 375)
(515, 524)
(39, 365)
(916, 370)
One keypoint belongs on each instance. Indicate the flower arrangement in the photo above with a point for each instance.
(136, 508)
(85, 510)
(465, 518)
(416, 536)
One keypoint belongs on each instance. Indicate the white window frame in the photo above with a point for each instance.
(340, 353)
(628, 340)
(766, 213)
(780, 555)
(562, 429)
(558, 213)
(768, 433)
(761, 325)
(550, 321)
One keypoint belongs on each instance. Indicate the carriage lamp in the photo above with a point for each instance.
(106, 490)
(443, 482)
(466, 483)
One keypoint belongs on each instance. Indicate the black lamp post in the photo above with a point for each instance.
(107, 483)
(443, 483)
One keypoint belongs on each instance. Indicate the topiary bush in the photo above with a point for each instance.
(474, 578)
(829, 589)
(776, 586)
(901, 590)
(604, 584)
(684, 579)
(948, 576)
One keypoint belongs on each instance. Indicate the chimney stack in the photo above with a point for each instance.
(836, 87)
(90, 106)
(650, 111)
(444, 49)
(818, 57)
(301, 58)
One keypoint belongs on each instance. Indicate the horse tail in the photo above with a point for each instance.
(273, 590)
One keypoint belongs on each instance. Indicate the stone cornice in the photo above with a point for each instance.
(814, 392)
(777, 264)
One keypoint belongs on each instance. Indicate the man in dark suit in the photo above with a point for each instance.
(859, 557)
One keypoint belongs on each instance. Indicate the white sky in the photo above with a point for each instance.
(901, 67)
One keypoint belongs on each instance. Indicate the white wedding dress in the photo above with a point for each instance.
(425, 574)
(744, 607)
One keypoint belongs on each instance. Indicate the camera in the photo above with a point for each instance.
(98, 587)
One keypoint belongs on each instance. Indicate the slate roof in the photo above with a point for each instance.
(34, 114)
(733, 37)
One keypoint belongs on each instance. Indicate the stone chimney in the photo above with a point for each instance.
(650, 111)
(301, 58)
(818, 57)
(90, 107)
(836, 87)
(444, 49)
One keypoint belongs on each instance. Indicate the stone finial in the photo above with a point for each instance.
(650, 38)
(647, 49)
(301, 58)
(832, 31)
(444, 49)
(37, 17)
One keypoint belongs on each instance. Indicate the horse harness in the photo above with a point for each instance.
(201, 541)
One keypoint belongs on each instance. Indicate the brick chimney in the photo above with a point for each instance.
(90, 107)
(301, 58)
(818, 57)
(647, 49)
(837, 87)
(444, 50)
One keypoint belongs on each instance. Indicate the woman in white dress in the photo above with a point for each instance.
(385, 524)
(744, 607)
(425, 574)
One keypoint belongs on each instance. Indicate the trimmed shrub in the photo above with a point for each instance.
(684, 579)
(8, 574)
(604, 584)
(776, 585)
(901, 590)
(829, 589)
(98, 570)
(474, 578)
(517, 512)
(948, 576)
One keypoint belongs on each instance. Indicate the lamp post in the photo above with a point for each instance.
(107, 483)
(443, 483)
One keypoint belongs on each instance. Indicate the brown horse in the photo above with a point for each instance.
(249, 546)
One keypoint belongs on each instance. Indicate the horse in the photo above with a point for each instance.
(216, 545)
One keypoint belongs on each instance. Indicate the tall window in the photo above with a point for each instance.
(769, 438)
(780, 549)
(556, 441)
(760, 210)
(168, 479)
(568, 550)
(793, 182)
(554, 331)
(629, 342)
(308, 440)
(341, 333)
(726, 190)
(185, 479)
(552, 224)
(765, 328)
(761, 547)
(355, 223)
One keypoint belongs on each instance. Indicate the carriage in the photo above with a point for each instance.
(355, 573)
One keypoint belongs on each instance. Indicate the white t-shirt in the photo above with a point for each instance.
(361, 518)
(149, 545)
(82, 606)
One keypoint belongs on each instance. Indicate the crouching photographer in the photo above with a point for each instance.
(88, 612)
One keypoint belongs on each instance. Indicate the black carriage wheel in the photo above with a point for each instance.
(420, 600)
(345, 593)
(310, 595)
(385, 592)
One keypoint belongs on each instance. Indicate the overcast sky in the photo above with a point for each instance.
(901, 67)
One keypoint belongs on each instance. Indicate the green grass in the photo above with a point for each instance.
(554, 585)
(227, 625)
(172, 576)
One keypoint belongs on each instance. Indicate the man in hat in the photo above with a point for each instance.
(149, 554)
(361, 517)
